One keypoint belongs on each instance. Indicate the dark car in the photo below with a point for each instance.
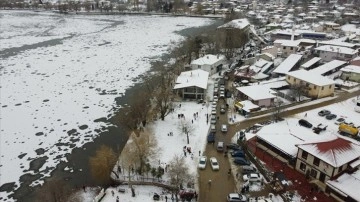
(331, 116)
(324, 112)
(241, 161)
(238, 153)
(211, 137)
(233, 146)
(305, 123)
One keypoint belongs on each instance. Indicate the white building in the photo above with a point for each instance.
(192, 84)
(209, 63)
(328, 53)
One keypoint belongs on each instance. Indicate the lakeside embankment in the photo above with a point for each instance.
(113, 136)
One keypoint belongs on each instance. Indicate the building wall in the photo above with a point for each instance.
(323, 167)
(351, 76)
(329, 56)
(288, 50)
(212, 69)
(265, 102)
(313, 90)
(273, 50)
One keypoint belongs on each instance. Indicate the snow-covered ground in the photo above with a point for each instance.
(66, 72)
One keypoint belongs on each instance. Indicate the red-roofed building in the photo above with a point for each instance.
(325, 159)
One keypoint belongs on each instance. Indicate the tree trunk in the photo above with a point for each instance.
(187, 136)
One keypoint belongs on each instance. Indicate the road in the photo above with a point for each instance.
(222, 184)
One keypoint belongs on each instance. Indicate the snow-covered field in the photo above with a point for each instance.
(65, 72)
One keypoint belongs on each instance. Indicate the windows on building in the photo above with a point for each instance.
(313, 173)
(304, 155)
(316, 161)
(302, 166)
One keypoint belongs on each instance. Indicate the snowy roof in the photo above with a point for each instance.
(238, 23)
(257, 92)
(327, 67)
(336, 49)
(310, 77)
(276, 84)
(335, 151)
(356, 59)
(248, 105)
(288, 64)
(337, 43)
(285, 135)
(311, 62)
(347, 184)
(351, 68)
(208, 60)
(198, 78)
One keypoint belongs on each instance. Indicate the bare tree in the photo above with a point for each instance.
(231, 39)
(297, 90)
(56, 190)
(139, 149)
(278, 108)
(102, 164)
(187, 128)
(178, 172)
(178, 5)
(163, 94)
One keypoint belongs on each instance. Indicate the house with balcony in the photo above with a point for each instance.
(314, 85)
(192, 84)
(324, 159)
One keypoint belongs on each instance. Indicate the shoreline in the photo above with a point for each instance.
(114, 136)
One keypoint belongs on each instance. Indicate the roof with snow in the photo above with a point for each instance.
(347, 184)
(288, 64)
(335, 151)
(351, 68)
(310, 77)
(198, 78)
(327, 67)
(336, 49)
(237, 23)
(208, 60)
(248, 105)
(310, 63)
(337, 43)
(285, 135)
(257, 92)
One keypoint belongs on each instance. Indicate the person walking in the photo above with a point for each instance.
(209, 183)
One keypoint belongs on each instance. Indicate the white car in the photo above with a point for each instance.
(214, 163)
(202, 162)
(252, 177)
(216, 99)
(235, 197)
(224, 128)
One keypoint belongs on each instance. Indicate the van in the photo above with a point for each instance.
(220, 146)
(248, 169)
(213, 128)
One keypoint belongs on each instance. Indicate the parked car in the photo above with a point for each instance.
(305, 123)
(252, 177)
(248, 169)
(319, 128)
(224, 128)
(339, 121)
(202, 162)
(238, 153)
(324, 112)
(235, 197)
(216, 99)
(233, 146)
(241, 161)
(222, 94)
(331, 116)
(211, 137)
(222, 109)
(214, 163)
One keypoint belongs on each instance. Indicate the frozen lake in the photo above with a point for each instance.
(60, 73)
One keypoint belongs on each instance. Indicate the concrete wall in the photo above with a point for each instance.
(329, 56)
(351, 76)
